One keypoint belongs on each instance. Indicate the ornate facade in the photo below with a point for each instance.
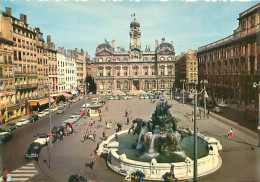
(232, 64)
(135, 70)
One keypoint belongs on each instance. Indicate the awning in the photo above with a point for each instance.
(43, 101)
(73, 92)
(66, 94)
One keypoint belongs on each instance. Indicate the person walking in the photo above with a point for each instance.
(127, 121)
(4, 174)
(91, 161)
(94, 136)
(231, 132)
(61, 135)
(104, 135)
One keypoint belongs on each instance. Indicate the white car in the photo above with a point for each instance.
(129, 97)
(73, 118)
(111, 98)
(22, 122)
(81, 97)
(41, 114)
(141, 97)
(54, 109)
(217, 109)
(46, 111)
(146, 97)
(43, 139)
(87, 104)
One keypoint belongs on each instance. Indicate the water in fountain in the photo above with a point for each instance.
(179, 150)
(142, 132)
(151, 151)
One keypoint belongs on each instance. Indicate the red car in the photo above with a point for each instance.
(82, 112)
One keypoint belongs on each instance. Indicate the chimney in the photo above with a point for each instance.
(8, 11)
(25, 19)
(156, 44)
(82, 52)
(113, 44)
(37, 29)
(22, 17)
(48, 39)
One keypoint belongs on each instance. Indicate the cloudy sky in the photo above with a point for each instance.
(85, 24)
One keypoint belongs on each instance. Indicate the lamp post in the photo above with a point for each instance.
(85, 86)
(205, 95)
(195, 167)
(50, 132)
(183, 81)
(254, 86)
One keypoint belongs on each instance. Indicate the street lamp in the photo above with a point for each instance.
(205, 95)
(195, 172)
(183, 81)
(50, 132)
(86, 85)
(254, 86)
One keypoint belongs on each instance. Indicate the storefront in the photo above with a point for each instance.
(94, 110)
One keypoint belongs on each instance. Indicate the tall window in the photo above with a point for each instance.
(118, 71)
(108, 72)
(170, 70)
(118, 85)
(125, 85)
(154, 84)
(109, 85)
(125, 71)
(162, 84)
(145, 71)
(146, 85)
(100, 72)
(153, 71)
(162, 70)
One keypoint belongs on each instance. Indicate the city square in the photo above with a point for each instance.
(166, 112)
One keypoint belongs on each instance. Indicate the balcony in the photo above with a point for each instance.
(26, 86)
(19, 73)
(6, 76)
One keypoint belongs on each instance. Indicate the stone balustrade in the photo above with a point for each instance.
(154, 170)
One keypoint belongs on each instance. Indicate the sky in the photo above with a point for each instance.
(86, 24)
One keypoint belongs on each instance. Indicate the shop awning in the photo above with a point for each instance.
(73, 92)
(43, 101)
(66, 94)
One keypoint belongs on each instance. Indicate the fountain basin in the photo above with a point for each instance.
(154, 170)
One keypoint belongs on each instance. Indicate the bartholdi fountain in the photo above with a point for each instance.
(159, 147)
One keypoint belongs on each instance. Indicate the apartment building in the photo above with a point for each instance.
(61, 62)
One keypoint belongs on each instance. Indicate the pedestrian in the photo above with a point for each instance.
(106, 108)
(100, 117)
(84, 137)
(231, 132)
(4, 174)
(91, 161)
(118, 126)
(104, 135)
(61, 135)
(94, 136)
(127, 121)
(208, 111)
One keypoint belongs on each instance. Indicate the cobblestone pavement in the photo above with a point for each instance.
(70, 156)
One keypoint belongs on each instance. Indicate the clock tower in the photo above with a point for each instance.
(135, 38)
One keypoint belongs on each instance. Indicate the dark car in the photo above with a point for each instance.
(5, 136)
(33, 117)
(10, 127)
(77, 178)
(33, 151)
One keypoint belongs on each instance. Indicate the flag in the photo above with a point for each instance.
(133, 15)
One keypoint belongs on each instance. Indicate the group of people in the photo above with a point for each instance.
(89, 135)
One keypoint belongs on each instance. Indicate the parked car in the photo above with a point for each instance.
(128, 97)
(95, 100)
(81, 97)
(78, 114)
(54, 109)
(116, 97)
(5, 136)
(73, 119)
(22, 122)
(141, 97)
(74, 100)
(46, 112)
(33, 117)
(9, 127)
(110, 97)
(87, 104)
(60, 110)
(33, 151)
(65, 104)
(43, 139)
(217, 109)
(77, 178)
(146, 97)
(41, 114)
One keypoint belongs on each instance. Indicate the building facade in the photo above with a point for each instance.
(188, 65)
(232, 64)
(134, 70)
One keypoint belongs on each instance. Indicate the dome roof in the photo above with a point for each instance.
(134, 23)
(104, 46)
(162, 45)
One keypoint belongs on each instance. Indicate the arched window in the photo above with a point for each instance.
(118, 85)
(154, 84)
(125, 85)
